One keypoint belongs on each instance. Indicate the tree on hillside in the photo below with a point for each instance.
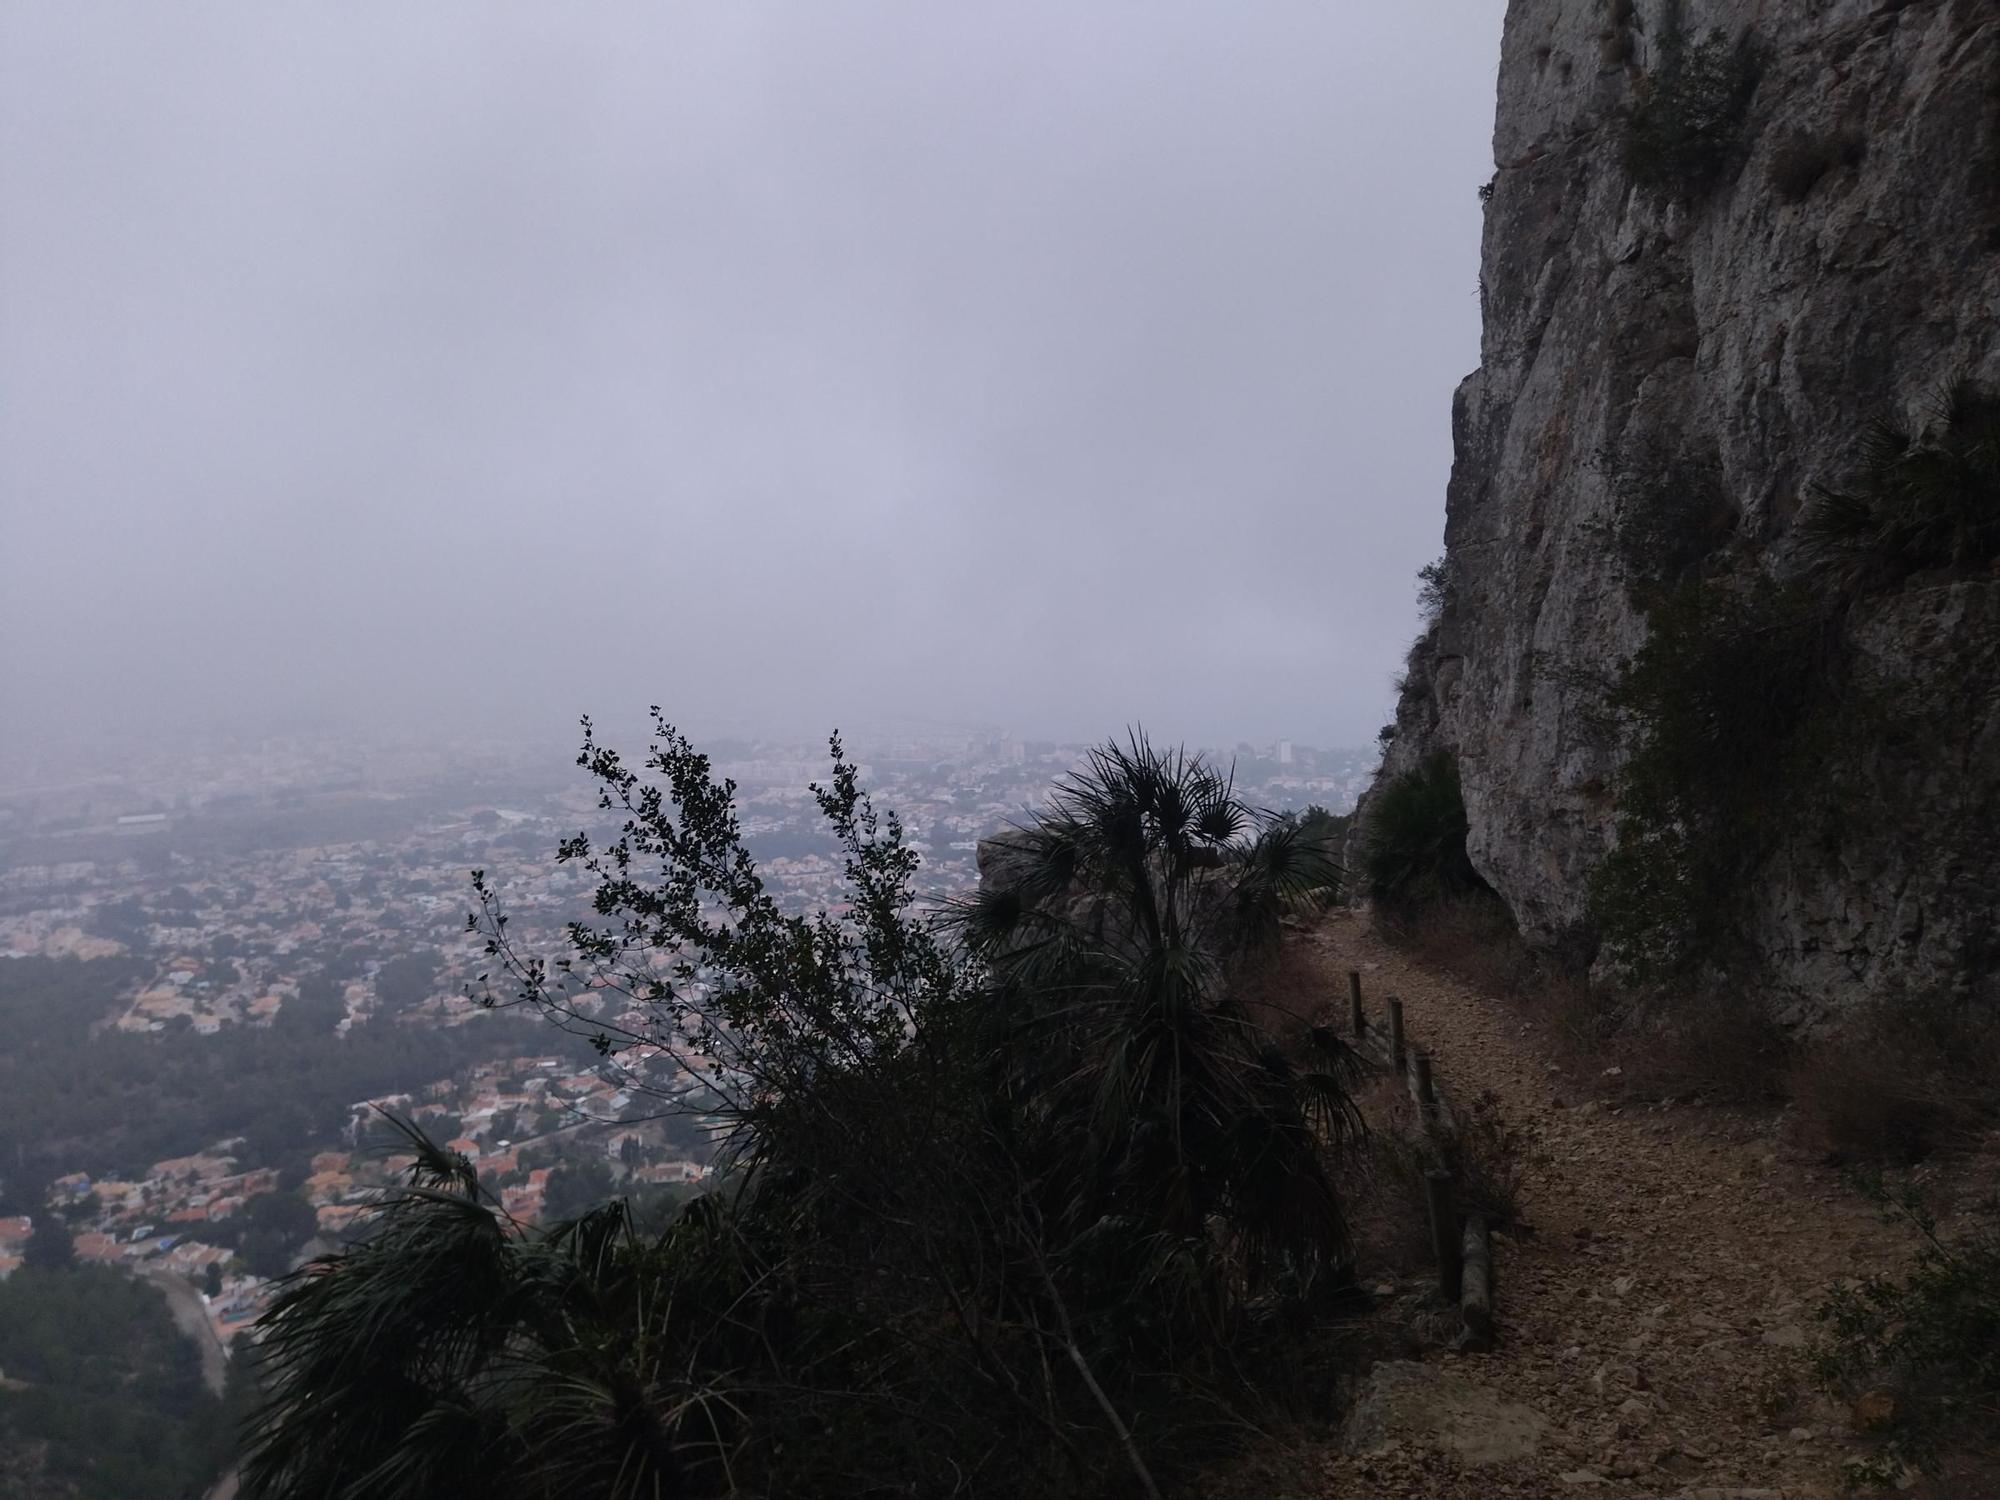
(577, 1185)
(104, 1398)
(1323, 827)
(408, 979)
(275, 1228)
(50, 1246)
(1019, 1203)
(316, 1009)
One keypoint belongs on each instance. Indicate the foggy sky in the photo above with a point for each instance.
(1050, 364)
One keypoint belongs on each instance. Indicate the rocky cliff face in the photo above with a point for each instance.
(1668, 369)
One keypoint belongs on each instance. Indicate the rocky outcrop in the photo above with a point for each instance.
(1664, 376)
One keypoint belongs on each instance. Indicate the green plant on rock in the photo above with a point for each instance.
(1716, 700)
(1414, 845)
(1436, 588)
(1923, 497)
(1684, 127)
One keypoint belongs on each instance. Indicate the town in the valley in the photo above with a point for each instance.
(309, 898)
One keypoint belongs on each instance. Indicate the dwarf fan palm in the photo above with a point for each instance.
(1923, 496)
(453, 1353)
(1114, 927)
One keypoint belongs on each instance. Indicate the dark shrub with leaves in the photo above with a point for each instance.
(1716, 700)
(1112, 940)
(1912, 1078)
(1414, 848)
(1928, 1342)
(1023, 1213)
(1684, 128)
(1436, 588)
(452, 1352)
(1322, 833)
(1925, 496)
(1720, 1043)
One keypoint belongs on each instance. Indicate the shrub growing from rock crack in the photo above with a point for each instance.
(1685, 126)
(1924, 496)
(1715, 699)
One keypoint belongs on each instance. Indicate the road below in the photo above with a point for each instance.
(191, 1317)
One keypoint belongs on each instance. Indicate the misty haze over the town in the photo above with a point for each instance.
(456, 366)
(1091, 749)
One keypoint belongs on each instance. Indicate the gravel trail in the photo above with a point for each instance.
(1656, 1316)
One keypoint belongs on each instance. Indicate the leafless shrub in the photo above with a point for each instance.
(1900, 1083)
(1470, 935)
(1720, 1045)
(1488, 1159)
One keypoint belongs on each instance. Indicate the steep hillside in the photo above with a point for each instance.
(1723, 240)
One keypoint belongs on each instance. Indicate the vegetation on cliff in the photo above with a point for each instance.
(1019, 1201)
(1414, 838)
(1730, 702)
(1924, 497)
(1684, 128)
(1714, 702)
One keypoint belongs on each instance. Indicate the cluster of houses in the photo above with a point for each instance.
(155, 1225)
(515, 1119)
(228, 937)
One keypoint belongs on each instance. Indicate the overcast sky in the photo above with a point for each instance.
(1057, 364)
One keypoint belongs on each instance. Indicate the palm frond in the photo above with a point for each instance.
(1920, 498)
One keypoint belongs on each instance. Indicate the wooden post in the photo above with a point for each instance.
(1354, 1002)
(1475, 1301)
(1427, 1098)
(1445, 1243)
(1396, 1033)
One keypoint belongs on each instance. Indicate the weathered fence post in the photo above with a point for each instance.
(1475, 1302)
(1445, 1242)
(1354, 1002)
(1427, 1098)
(1396, 1033)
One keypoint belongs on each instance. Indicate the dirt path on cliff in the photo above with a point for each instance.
(1656, 1317)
